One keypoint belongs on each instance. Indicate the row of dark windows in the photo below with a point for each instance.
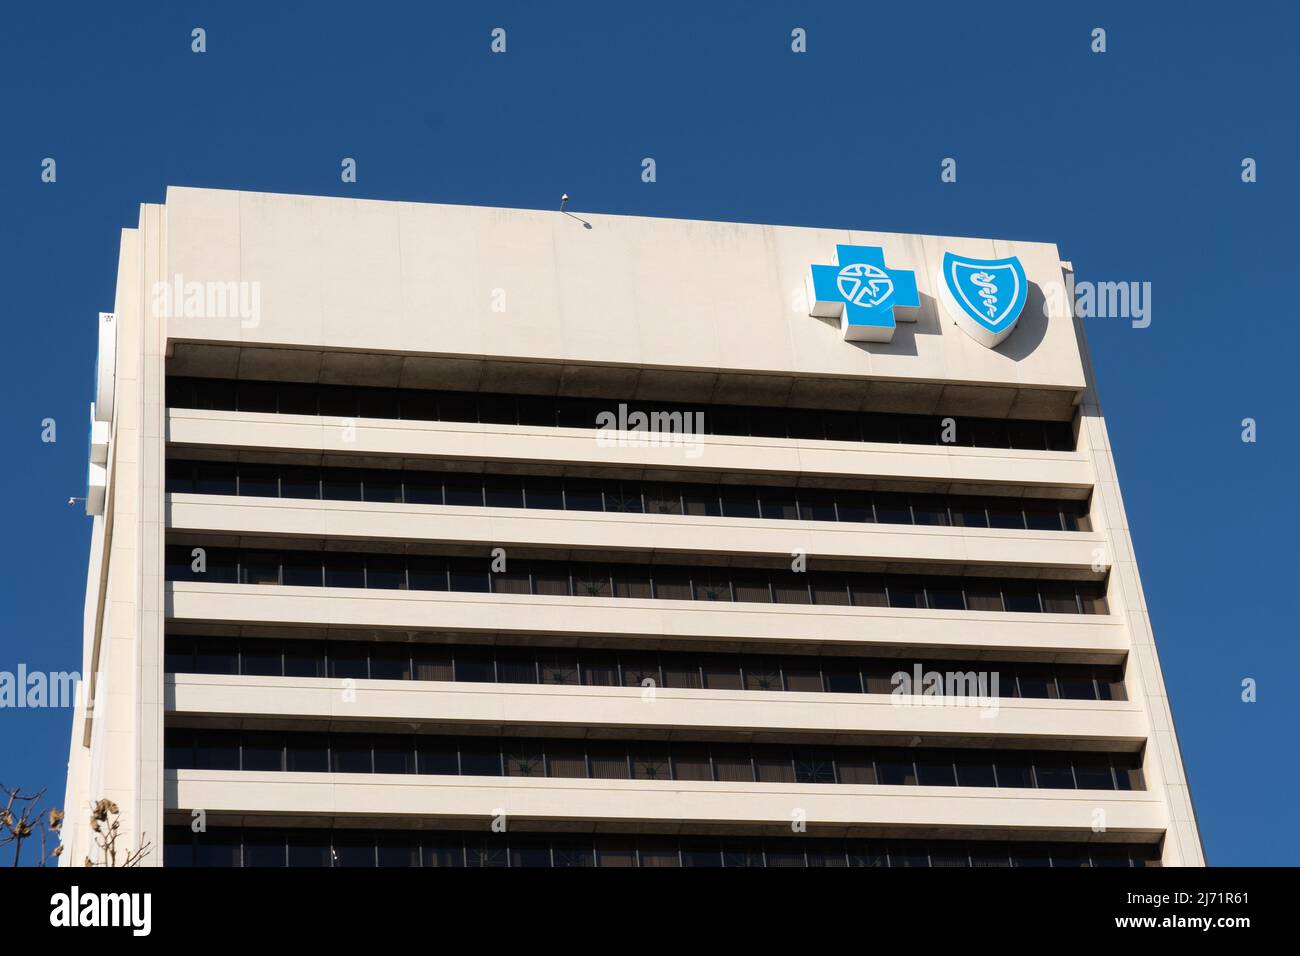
(231, 846)
(624, 497)
(266, 657)
(307, 752)
(556, 411)
(598, 579)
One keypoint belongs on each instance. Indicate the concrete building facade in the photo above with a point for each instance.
(444, 535)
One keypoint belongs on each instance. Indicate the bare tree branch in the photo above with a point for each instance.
(23, 819)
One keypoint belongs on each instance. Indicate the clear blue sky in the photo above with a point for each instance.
(1129, 160)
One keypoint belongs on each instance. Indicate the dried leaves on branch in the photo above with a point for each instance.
(104, 822)
(23, 819)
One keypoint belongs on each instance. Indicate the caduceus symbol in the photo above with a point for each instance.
(988, 291)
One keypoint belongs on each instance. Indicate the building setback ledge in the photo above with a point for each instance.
(1066, 638)
(583, 711)
(938, 812)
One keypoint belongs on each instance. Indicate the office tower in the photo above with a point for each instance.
(442, 535)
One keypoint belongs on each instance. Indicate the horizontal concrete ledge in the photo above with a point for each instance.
(1083, 638)
(622, 712)
(426, 444)
(902, 548)
(937, 812)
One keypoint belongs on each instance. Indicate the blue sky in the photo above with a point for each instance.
(1129, 160)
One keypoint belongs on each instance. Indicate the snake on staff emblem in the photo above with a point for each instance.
(988, 291)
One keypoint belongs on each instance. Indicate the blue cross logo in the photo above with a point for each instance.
(859, 291)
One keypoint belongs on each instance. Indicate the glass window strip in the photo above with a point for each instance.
(184, 476)
(750, 671)
(589, 579)
(209, 748)
(426, 405)
(232, 846)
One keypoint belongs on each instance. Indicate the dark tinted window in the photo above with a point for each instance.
(1054, 773)
(463, 490)
(349, 660)
(263, 752)
(1022, 598)
(1014, 770)
(337, 400)
(930, 510)
(457, 407)
(721, 673)
(426, 574)
(383, 486)
(261, 658)
(842, 677)
(516, 666)
(906, 592)
(1093, 773)
(296, 399)
(341, 484)
(739, 501)
(503, 492)
(377, 403)
(1005, 513)
(854, 506)
(935, 770)
(180, 477)
(498, 408)
(973, 772)
(345, 571)
(468, 574)
(790, 588)
(895, 770)
(215, 478)
(390, 662)
(264, 849)
(582, 495)
(545, 493)
(259, 568)
(304, 659)
(945, 594)
(559, 667)
(968, 513)
(306, 753)
(1042, 516)
(394, 753)
(219, 750)
(421, 488)
(217, 847)
(1058, 598)
(387, 572)
(302, 570)
(480, 758)
(893, 508)
(299, 482)
(437, 756)
(691, 762)
(813, 766)
(816, 505)
(350, 753)
(780, 503)
(259, 481)
(258, 397)
(475, 665)
(215, 655)
(178, 749)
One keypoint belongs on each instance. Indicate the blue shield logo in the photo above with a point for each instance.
(984, 296)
